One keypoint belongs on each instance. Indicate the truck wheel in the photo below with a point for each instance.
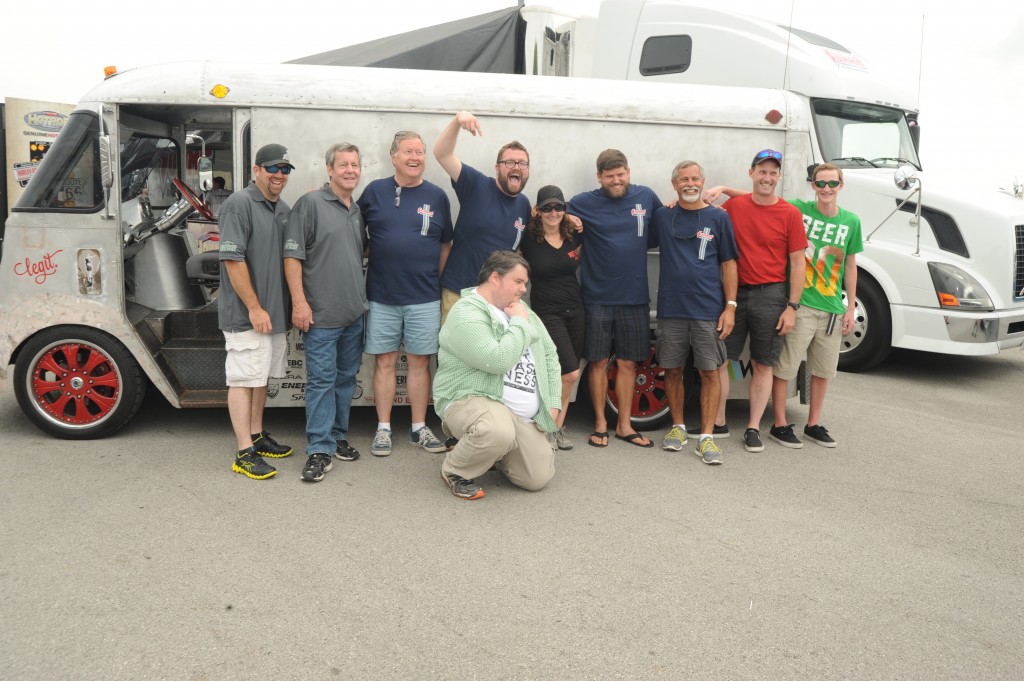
(871, 339)
(77, 383)
(649, 409)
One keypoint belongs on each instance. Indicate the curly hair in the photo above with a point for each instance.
(536, 228)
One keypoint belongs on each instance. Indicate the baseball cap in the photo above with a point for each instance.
(767, 155)
(550, 194)
(273, 155)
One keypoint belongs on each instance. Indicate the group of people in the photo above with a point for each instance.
(505, 371)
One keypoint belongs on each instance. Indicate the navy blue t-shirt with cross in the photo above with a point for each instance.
(405, 241)
(693, 246)
(615, 233)
(489, 220)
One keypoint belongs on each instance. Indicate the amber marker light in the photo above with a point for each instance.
(109, 71)
(220, 91)
(948, 300)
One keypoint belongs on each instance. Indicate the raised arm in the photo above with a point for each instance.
(444, 148)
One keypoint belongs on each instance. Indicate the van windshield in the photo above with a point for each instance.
(68, 179)
(855, 134)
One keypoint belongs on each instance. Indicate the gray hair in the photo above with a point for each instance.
(403, 135)
(687, 164)
(335, 149)
(501, 262)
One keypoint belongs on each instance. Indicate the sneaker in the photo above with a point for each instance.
(562, 440)
(381, 443)
(449, 444)
(709, 452)
(675, 440)
(820, 435)
(719, 432)
(269, 447)
(424, 438)
(462, 488)
(316, 466)
(752, 440)
(785, 436)
(250, 464)
(345, 452)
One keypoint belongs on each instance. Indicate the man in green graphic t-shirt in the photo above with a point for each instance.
(833, 240)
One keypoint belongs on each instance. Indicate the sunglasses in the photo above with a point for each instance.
(551, 207)
(275, 169)
(398, 196)
(821, 184)
(514, 164)
(769, 153)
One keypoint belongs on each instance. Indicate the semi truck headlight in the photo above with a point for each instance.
(958, 290)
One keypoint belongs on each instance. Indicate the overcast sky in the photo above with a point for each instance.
(971, 75)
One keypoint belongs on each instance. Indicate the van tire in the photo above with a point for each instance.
(871, 339)
(77, 383)
(650, 402)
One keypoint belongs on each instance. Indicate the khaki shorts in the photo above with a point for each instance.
(253, 358)
(808, 336)
(448, 300)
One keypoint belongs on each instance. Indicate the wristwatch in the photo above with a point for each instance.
(795, 306)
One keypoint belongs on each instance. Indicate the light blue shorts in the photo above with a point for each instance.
(415, 326)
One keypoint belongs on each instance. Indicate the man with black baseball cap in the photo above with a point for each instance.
(252, 305)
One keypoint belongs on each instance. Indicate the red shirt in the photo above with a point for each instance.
(765, 235)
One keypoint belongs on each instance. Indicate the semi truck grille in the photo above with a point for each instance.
(1018, 267)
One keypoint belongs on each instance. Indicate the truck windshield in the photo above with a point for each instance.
(68, 179)
(855, 134)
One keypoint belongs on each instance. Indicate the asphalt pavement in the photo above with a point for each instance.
(897, 555)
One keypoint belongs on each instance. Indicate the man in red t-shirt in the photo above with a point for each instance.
(770, 235)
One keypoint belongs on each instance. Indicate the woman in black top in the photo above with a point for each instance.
(552, 248)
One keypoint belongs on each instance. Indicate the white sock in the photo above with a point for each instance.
(416, 426)
(384, 426)
(705, 435)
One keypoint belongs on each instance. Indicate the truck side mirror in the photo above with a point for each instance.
(205, 168)
(106, 171)
(904, 177)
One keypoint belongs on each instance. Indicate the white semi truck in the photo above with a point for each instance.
(105, 280)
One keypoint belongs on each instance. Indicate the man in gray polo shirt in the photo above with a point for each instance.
(323, 263)
(252, 311)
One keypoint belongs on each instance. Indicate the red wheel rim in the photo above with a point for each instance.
(75, 384)
(649, 397)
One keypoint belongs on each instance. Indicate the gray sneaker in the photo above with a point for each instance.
(381, 443)
(675, 440)
(424, 438)
(785, 436)
(461, 487)
(752, 440)
(709, 452)
(562, 440)
(819, 434)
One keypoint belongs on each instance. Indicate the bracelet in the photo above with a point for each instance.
(731, 302)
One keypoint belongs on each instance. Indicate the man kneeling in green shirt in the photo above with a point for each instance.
(498, 383)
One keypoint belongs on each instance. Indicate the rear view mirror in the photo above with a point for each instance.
(205, 168)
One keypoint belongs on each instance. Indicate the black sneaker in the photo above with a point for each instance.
(462, 488)
(820, 435)
(720, 432)
(752, 440)
(449, 443)
(316, 466)
(345, 452)
(250, 464)
(269, 447)
(785, 436)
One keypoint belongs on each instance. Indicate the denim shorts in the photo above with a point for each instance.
(414, 326)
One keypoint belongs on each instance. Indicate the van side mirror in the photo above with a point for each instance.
(106, 171)
(205, 168)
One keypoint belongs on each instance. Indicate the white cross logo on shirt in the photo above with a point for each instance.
(638, 212)
(425, 211)
(705, 237)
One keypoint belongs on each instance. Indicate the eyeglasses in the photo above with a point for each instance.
(514, 164)
(398, 195)
(275, 169)
(768, 153)
(551, 207)
(821, 184)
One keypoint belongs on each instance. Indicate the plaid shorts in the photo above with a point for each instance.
(624, 328)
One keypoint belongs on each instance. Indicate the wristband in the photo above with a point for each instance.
(731, 302)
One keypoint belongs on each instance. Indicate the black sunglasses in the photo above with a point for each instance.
(551, 207)
(275, 169)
